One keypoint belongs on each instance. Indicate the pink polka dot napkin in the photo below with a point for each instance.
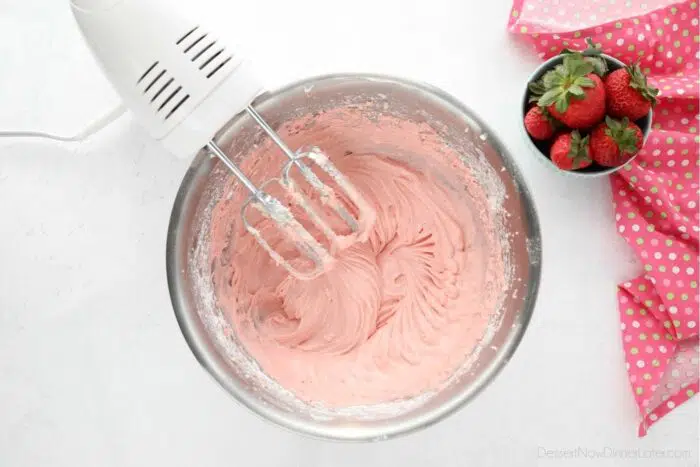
(656, 195)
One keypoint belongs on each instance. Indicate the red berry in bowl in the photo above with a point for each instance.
(628, 94)
(614, 142)
(538, 124)
(573, 93)
(570, 151)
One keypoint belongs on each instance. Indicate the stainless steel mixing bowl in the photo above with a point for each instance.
(206, 330)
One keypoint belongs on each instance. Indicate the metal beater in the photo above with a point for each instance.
(183, 84)
(277, 212)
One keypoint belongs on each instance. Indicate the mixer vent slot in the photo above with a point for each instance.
(164, 94)
(147, 72)
(196, 42)
(177, 106)
(163, 88)
(155, 80)
(210, 59)
(187, 34)
(169, 98)
(219, 67)
(204, 51)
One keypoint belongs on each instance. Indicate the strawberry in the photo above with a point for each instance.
(628, 94)
(592, 54)
(538, 124)
(570, 151)
(614, 142)
(574, 94)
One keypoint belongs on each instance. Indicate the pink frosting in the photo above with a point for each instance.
(397, 314)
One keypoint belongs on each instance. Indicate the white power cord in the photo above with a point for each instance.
(90, 130)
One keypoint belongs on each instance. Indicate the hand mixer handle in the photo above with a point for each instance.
(181, 81)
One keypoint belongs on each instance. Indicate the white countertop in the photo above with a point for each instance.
(93, 368)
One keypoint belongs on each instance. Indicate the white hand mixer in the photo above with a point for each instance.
(184, 85)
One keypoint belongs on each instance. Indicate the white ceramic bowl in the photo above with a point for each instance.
(541, 148)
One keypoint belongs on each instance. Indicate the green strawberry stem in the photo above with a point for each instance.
(592, 55)
(638, 81)
(578, 152)
(566, 81)
(625, 137)
(536, 90)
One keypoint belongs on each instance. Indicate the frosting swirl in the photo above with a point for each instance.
(397, 314)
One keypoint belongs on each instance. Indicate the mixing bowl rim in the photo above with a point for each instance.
(208, 356)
